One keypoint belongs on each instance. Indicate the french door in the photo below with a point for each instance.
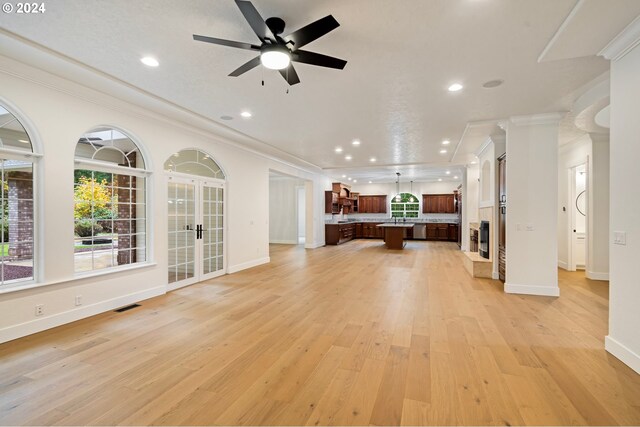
(196, 230)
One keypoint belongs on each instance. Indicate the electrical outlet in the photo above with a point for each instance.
(78, 300)
(39, 309)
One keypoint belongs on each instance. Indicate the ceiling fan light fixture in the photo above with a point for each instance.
(275, 57)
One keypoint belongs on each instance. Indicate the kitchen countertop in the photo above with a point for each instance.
(399, 225)
(390, 221)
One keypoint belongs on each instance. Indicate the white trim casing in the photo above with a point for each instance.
(44, 323)
(248, 264)
(623, 43)
(563, 265)
(314, 245)
(622, 352)
(283, 242)
(595, 275)
(547, 291)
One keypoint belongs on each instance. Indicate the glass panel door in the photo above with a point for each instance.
(212, 236)
(182, 235)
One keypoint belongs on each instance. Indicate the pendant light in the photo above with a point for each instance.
(398, 199)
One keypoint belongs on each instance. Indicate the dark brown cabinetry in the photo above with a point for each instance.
(335, 234)
(502, 217)
(358, 230)
(331, 202)
(372, 204)
(370, 230)
(438, 203)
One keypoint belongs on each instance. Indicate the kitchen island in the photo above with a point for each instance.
(394, 234)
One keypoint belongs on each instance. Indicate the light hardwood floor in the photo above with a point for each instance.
(348, 335)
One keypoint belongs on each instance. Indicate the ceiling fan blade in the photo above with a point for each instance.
(254, 19)
(224, 42)
(290, 75)
(246, 67)
(318, 59)
(311, 32)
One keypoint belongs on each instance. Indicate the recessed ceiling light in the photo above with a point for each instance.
(492, 83)
(149, 61)
(348, 157)
(24, 141)
(370, 182)
(344, 176)
(355, 180)
(246, 114)
(355, 142)
(226, 117)
(455, 87)
(455, 177)
(338, 150)
(349, 178)
(446, 142)
(443, 151)
(373, 160)
(448, 172)
(473, 162)
(439, 179)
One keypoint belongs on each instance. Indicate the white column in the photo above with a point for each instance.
(532, 199)
(470, 180)
(623, 340)
(598, 211)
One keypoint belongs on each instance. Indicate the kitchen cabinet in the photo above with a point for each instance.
(336, 234)
(358, 230)
(331, 202)
(453, 232)
(432, 231)
(371, 231)
(442, 231)
(438, 203)
(372, 204)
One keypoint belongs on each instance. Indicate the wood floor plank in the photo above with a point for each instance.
(346, 335)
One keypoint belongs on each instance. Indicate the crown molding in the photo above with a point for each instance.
(40, 65)
(537, 119)
(623, 43)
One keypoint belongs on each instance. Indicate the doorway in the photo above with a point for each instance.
(578, 217)
(196, 219)
(301, 206)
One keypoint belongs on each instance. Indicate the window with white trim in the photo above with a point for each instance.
(110, 211)
(405, 205)
(17, 229)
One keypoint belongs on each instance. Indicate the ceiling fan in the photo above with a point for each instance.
(278, 52)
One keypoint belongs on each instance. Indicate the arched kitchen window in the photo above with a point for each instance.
(405, 205)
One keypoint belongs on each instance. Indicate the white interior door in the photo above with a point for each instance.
(196, 247)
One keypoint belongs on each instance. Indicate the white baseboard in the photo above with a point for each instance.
(283, 242)
(594, 275)
(622, 352)
(495, 275)
(313, 245)
(248, 264)
(44, 323)
(547, 291)
(563, 265)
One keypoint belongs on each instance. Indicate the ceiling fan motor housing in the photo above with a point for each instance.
(276, 25)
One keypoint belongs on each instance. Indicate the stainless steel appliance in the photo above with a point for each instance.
(420, 231)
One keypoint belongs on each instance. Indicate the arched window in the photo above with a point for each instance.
(110, 210)
(193, 162)
(17, 200)
(405, 205)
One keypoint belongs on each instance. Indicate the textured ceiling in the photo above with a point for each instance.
(392, 94)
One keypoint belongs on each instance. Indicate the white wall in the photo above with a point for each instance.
(283, 210)
(56, 113)
(470, 200)
(598, 213)
(532, 220)
(624, 290)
